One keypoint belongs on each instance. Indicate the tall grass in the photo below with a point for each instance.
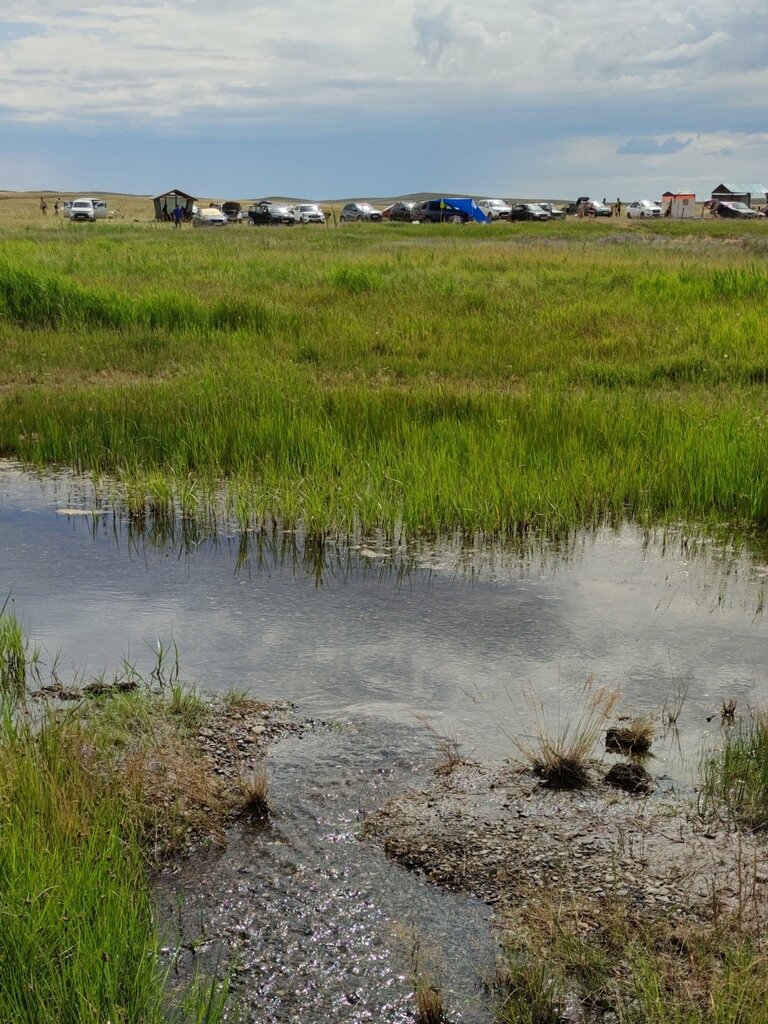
(477, 380)
(14, 650)
(78, 941)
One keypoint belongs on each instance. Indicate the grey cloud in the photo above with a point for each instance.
(650, 147)
(435, 33)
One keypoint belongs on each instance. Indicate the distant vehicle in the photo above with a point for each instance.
(574, 207)
(308, 213)
(65, 208)
(643, 208)
(88, 209)
(402, 211)
(740, 210)
(598, 209)
(359, 211)
(494, 209)
(209, 217)
(232, 211)
(437, 211)
(529, 211)
(271, 214)
(554, 212)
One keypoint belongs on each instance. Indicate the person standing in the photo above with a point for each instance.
(43, 206)
(618, 207)
(56, 206)
(178, 216)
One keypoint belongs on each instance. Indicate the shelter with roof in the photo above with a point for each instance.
(679, 205)
(740, 192)
(166, 203)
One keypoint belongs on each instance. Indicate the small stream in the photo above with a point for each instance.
(316, 925)
(386, 643)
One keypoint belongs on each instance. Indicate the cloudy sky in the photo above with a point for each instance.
(536, 98)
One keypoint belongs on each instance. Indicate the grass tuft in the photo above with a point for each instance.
(631, 737)
(560, 752)
(255, 793)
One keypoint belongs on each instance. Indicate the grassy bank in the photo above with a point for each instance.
(482, 378)
(86, 803)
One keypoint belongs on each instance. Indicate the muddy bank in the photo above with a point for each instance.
(501, 835)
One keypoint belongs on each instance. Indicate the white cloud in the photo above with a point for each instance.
(161, 59)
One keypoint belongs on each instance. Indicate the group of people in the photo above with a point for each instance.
(44, 206)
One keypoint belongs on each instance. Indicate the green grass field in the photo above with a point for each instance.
(482, 378)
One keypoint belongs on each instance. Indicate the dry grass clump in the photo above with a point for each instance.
(255, 793)
(632, 737)
(560, 752)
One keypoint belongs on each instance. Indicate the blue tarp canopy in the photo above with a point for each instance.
(468, 206)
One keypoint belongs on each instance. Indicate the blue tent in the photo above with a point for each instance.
(468, 206)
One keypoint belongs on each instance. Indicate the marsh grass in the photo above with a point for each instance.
(14, 657)
(735, 777)
(614, 962)
(562, 745)
(90, 797)
(381, 377)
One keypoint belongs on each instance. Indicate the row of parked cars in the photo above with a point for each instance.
(437, 211)
(263, 213)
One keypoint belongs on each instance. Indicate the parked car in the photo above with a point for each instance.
(495, 209)
(402, 211)
(573, 208)
(209, 217)
(528, 211)
(232, 211)
(88, 209)
(554, 211)
(359, 211)
(740, 210)
(436, 211)
(271, 214)
(308, 213)
(643, 208)
(597, 209)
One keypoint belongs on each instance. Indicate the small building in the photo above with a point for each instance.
(679, 205)
(166, 203)
(739, 192)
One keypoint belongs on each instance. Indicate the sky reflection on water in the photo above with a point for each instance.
(441, 632)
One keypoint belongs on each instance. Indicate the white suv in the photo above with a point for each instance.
(88, 209)
(643, 208)
(495, 209)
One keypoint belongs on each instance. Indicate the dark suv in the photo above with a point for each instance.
(270, 213)
(436, 211)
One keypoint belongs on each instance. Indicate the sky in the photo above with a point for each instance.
(325, 99)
